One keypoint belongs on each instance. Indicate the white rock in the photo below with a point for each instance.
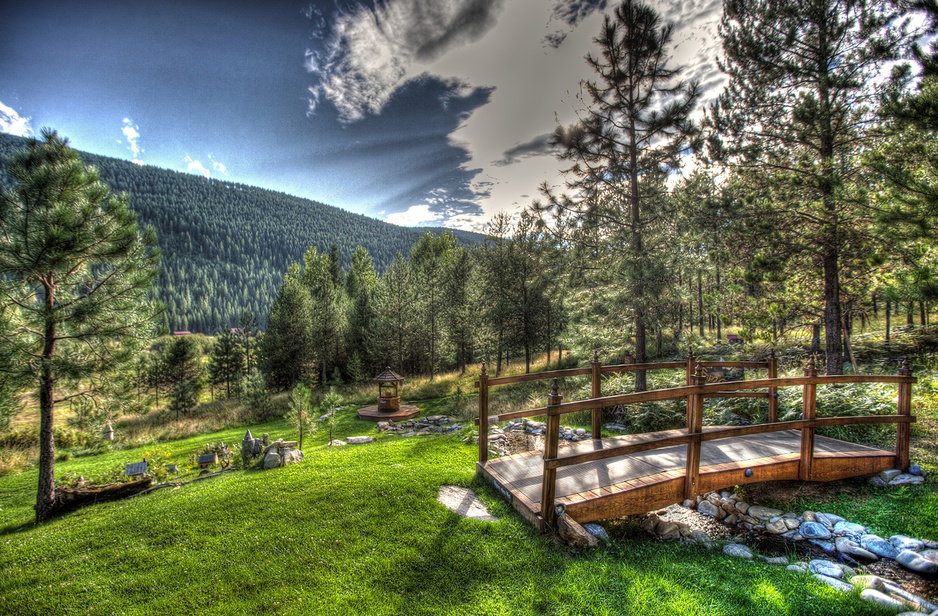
(359, 440)
(763, 513)
(833, 582)
(826, 567)
(737, 550)
(901, 542)
(874, 596)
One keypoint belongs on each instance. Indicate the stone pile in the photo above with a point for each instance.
(852, 545)
(270, 455)
(423, 426)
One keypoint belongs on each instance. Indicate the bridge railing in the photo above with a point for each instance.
(596, 370)
(694, 433)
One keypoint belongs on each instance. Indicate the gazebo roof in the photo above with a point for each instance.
(389, 376)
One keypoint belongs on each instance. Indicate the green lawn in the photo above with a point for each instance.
(354, 530)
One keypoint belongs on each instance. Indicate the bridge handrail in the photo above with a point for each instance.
(695, 433)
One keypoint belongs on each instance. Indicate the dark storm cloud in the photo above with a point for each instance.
(571, 13)
(539, 146)
(366, 53)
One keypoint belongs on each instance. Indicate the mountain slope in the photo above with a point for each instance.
(226, 245)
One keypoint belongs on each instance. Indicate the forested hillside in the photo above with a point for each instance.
(226, 246)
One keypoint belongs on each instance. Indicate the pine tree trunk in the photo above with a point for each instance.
(45, 497)
(888, 316)
(833, 336)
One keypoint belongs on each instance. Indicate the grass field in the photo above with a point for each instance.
(357, 530)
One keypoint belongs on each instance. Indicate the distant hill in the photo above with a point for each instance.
(226, 246)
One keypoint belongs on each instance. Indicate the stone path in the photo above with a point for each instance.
(465, 502)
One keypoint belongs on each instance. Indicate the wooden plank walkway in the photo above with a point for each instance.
(641, 482)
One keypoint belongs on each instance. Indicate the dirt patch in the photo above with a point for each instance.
(785, 492)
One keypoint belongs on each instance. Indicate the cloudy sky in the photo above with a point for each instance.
(412, 111)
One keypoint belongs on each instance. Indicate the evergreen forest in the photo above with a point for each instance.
(226, 246)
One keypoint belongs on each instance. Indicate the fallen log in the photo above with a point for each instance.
(69, 499)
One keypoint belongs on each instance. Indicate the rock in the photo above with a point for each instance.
(875, 596)
(792, 523)
(359, 440)
(930, 554)
(667, 530)
(868, 581)
(797, 568)
(833, 582)
(879, 546)
(649, 523)
(708, 508)
(828, 519)
(336, 443)
(827, 546)
(763, 513)
(877, 482)
(690, 504)
(849, 528)
(731, 519)
(916, 470)
(574, 534)
(912, 561)
(852, 548)
(700, 537)
(826, 567)
(272, 460)
(465, 502)
(292, 456)
(901, 542)
(742, 507)
(906, 479)
(776, 526)
(597, 531)
(809, 516)
(774, 560)
(890, 474)
(813, 530)
(737, 550)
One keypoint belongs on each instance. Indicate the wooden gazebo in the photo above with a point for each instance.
(389, 400)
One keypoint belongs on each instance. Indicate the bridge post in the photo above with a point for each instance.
(809, 407)
(596, 393)
(551, 446)
(694, 426)
(773, 391)
(904, 409)
(483, 416)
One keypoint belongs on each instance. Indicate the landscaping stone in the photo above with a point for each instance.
(742, 507)
(901, 542)
(814, 530)
(763, 513)
(797, 568)
(906, 479)
(913, 562)
(336, 443)
(879, 546)
(272, 460)
(878, 482)
(875, 596)
(465, 502)
(359, 440)
(737, 550)
(667, 530)
(829, 519)
(849, 528)
(776, 526)
(827, 546)
(852, 548)
(915, 469)
(574, 534)
(930, 554)
(708, 508)
(833, 582)
(826, 567)
(774, 560)
(890, 474)
(292, 456)
(597, 531)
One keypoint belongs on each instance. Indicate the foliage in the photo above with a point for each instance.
(287, 349)
(257, 398)
(299, 414)
(328, 407)
(75, 273)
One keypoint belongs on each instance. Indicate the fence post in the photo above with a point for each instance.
(691, 365)
(483, 416)
(694, 426)
(596, 393)
(551, 445)
(773, 391)
(904, 409)
(809, 406)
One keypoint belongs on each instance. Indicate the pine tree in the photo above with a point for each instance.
(75, 273)
(631, 135)
(286, 350)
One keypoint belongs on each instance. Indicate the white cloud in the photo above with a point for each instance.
(414, 216)
(371, 52)
(13, 123)
(195, 166)
(217, 166)
(132, 133)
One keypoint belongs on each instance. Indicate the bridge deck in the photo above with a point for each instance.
(641, 482)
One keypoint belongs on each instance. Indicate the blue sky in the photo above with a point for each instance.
(413, 111)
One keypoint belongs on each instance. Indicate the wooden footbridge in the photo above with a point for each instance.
(622, 475)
